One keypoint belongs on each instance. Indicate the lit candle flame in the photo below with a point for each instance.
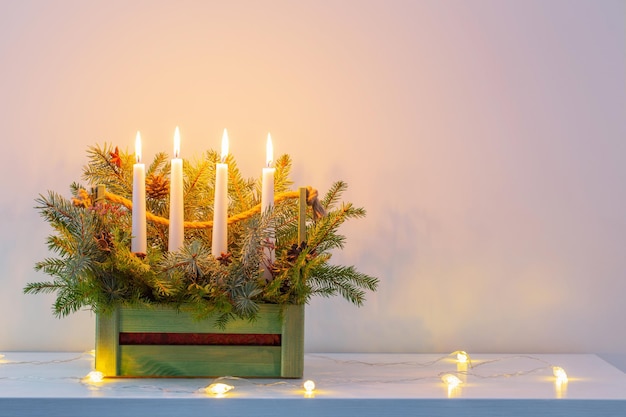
(138, 148)
(224, 145)
(269, 151)
(176, 143)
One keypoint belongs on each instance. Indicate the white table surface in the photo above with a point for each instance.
(50, 383)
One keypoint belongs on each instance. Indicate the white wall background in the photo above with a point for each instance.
(485, 138)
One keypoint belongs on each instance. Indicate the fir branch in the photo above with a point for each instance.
(71, 299)
(77, 228)
(324, 232)
(333, 195)
(52, 266)
(102, 170)
(282, 182)
(42, 287)
(240, 190)
(160, 165)
(193, 260)
(328, 280)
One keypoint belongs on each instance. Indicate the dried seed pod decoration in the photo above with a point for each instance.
(116, 158)
(225, 259)
(295, 251)
(83, 199)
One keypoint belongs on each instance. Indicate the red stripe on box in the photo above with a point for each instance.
(224, 339)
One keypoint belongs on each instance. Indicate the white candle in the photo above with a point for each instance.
(138, 242)
(177, 216)
(267, 203)
(219, 239)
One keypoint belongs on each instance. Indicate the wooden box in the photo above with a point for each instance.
(163, 342)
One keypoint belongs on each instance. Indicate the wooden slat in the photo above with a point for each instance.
(292, 355)
(171, 321)
(107, 348)
(200, 361)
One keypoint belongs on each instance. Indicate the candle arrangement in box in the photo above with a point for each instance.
(192, 269)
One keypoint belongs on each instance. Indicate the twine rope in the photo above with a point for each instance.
(311, 200)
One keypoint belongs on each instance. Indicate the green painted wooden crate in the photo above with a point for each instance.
(242, 356)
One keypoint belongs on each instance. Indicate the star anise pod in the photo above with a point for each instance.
(157, 187)
(225, 259)
(116, 159)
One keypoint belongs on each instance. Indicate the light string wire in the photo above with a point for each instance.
(471, 365)
(4, 362)
(328, 382)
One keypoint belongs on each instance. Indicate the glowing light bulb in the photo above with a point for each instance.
(559, 373)
(451, 380)
(218, 389)
(462, 356)
(94, 377)
(309, 386)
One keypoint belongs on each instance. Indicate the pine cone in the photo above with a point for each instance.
(105, 240)
(157, 187)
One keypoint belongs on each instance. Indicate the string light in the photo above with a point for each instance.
(93, 377)
(560, 382)
(309, 386)
(560, 374)
(452, 381)
(462, 356)
(218, 389)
